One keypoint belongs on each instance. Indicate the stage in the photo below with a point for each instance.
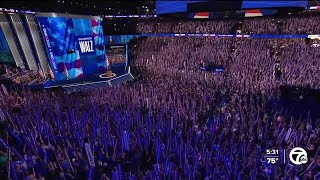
(91, 82)
(92, 78)
(88, 82)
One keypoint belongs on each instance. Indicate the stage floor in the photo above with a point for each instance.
(87, 79)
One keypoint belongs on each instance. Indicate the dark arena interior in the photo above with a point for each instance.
(163, 90)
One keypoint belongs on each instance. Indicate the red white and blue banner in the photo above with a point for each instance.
(240, 13)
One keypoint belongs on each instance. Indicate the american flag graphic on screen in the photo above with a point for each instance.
(61, 34)
(63, 46)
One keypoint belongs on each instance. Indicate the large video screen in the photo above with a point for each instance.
(117, 57)
(183, 6)
(75, 45)
(5, 53)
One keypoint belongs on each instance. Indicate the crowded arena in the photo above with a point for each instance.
(215, 98)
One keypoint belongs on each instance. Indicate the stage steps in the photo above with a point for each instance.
(121, 79)
(96, 85)
(86, 86)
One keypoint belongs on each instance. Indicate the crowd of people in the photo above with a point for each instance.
(7, 71)
(19, 76)
(249, 63)
(177, 122)
(303, 23)
(313, 3)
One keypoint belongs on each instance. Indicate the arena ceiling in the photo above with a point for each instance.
(87, 7)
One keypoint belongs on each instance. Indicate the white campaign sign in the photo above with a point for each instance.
(4, 89)
(288, 135)
(2, 116)
(89, 155)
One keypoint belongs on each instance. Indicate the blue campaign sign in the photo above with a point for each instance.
(86, 45)
(166, 7)
(249, 4)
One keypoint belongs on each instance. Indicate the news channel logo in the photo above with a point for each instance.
(298, 156)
